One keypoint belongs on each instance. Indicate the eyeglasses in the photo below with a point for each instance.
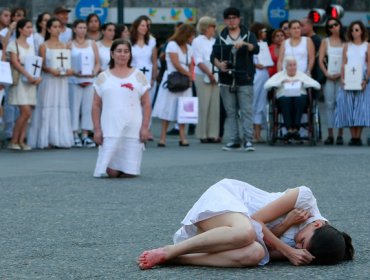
(356, 30)
(231, 17)
(333, 25)
(285, 28)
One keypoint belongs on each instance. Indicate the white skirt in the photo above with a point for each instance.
(223, 197)
(165, 107)
(119, 153)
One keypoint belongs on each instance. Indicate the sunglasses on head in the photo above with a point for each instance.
(333, 25)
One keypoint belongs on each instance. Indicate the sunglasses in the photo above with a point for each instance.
(356, 30)
(263, 30)
(333, 25)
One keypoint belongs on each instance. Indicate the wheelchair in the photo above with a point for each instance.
(310, 122)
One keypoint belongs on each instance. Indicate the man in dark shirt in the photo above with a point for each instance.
(233, 54)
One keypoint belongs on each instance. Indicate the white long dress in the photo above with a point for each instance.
(230, 195)
(51, 121)
(121, 120)
(165, 107)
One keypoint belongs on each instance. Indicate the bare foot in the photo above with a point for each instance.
(150, 258)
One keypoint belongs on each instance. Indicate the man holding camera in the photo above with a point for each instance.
(233, 54)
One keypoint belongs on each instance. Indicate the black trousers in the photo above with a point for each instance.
(292, 109)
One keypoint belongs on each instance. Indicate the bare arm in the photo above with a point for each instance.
(294, 217)
(281, 57)
(96, 113)
(278, 207)
(344, 62)
(147, 109)
(155, 65)
(97, 61)
(176, 63)
(322, 54)
(311, 55)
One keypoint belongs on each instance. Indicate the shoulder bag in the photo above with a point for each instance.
(178, 82)
(15, 72)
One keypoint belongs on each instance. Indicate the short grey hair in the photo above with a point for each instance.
(203, 24)
(288, 59)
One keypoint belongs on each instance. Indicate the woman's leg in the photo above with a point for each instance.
(162, 139)
(21, 124)
(28, 114)
(224, 232)
(182, 134)
(247, 256)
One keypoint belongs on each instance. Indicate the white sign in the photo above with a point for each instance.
(352, 77)
(32, 64)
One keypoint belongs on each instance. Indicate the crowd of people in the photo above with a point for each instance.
(229, 75)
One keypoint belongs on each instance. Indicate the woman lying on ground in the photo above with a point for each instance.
(234, 224)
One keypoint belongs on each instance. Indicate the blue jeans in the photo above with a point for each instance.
(240, 101)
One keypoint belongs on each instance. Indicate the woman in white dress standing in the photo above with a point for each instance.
(51, 121)
(233, 221)
(23, 94)
(259, 93)
(39, 36)
(108, 31)
(144, 51)
(178, 57)
(331, 53)
(121, 114)
(353, 106)
(81, 91)
(208, 91)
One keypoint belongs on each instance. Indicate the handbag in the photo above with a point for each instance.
(15, 73)
(177, 82)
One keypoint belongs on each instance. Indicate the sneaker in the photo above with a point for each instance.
(88, 143)
(78, 143)
(248, 146)
(14, 147)
(231, 146)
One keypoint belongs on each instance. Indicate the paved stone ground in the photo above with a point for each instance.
(58, 222)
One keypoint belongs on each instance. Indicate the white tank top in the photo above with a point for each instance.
(74, 55)
(299, 52)
(356, 55)
(335, 53)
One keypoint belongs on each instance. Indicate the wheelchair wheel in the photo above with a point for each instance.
(315, 123)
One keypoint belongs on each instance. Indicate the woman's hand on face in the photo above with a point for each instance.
(144, 134)
(98, 137)
(296, 216)
(299, 256)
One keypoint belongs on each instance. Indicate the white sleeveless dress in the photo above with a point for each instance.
(51, 120)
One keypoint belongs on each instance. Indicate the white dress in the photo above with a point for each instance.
(104, 55)
(121, 120)
(230, 195)
(142, 58)
(23, 93)
(165, 107)
(51, 121)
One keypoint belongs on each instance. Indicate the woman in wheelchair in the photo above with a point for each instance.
(291, 95)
